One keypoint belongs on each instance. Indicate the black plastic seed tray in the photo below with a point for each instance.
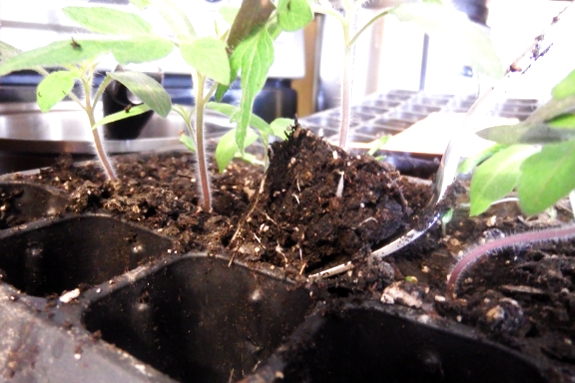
(372, 342)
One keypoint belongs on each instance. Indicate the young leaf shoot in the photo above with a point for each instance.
(78, 60)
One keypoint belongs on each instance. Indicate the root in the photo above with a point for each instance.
(247, 216)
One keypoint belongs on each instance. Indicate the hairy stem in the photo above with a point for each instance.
(100, 152)
(368, 24)
(346, 96)
(346, 76)
(488, 248)
(105, 82)
(199, 84)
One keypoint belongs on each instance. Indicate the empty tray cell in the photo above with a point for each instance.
(356, 118)
(434, 101)
(421, 109)
(375, 131)
(50, 257)
(368, 345)
(24, 202)
(394, 123)
(519, 116)
(408, 116)
(353, 137)
(321, 131)
(368, 111)
(402, 92)
(198, 320)
(465, 104)
(381, 104)
(522, 101)
(399, 95)
(517, 108)
(322, 121)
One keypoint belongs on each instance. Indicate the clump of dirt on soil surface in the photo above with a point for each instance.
(319, 205)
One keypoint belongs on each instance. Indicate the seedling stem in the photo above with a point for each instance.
(89, 105)
(199, 83)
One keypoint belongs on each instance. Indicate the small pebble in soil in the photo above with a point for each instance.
(403, 293)
(506, 317)
(68, 296)
(440, 298)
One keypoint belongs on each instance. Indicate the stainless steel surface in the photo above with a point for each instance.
(25, 129)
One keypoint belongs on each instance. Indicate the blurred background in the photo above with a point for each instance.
(403, 74)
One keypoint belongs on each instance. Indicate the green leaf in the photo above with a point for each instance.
(563, 121)
(526, 133)
(274, 30)
(546, 177)
(546, 125)
(209, 57)
(66, 52)
(497, 177)
(133, 111)
(552, 109)
(226, 109)
(175, 18)
(466, 38)
(232, 112)
(228, 13)
(58, 53)
(250, 159)
(146, 89)
(468, 164)
(227, 148)
(7, 51)
(293, 14)
(565, 87)
(188, 142)
(141, 4)
(141, 49)
(53, 88)
(108, 21)
(377, 144)
(255, 64)
(258, 123)
(280, 127)
(235, 64)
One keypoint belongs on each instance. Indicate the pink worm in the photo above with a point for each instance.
(484, 250)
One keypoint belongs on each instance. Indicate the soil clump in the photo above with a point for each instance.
(319, 205)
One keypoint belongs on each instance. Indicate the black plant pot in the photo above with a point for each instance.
(117, 98)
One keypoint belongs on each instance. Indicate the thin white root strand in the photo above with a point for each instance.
(339, 190)
(332, 271)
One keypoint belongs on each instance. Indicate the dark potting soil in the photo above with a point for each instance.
(294, 219)
(320, 205)
(523, 297)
